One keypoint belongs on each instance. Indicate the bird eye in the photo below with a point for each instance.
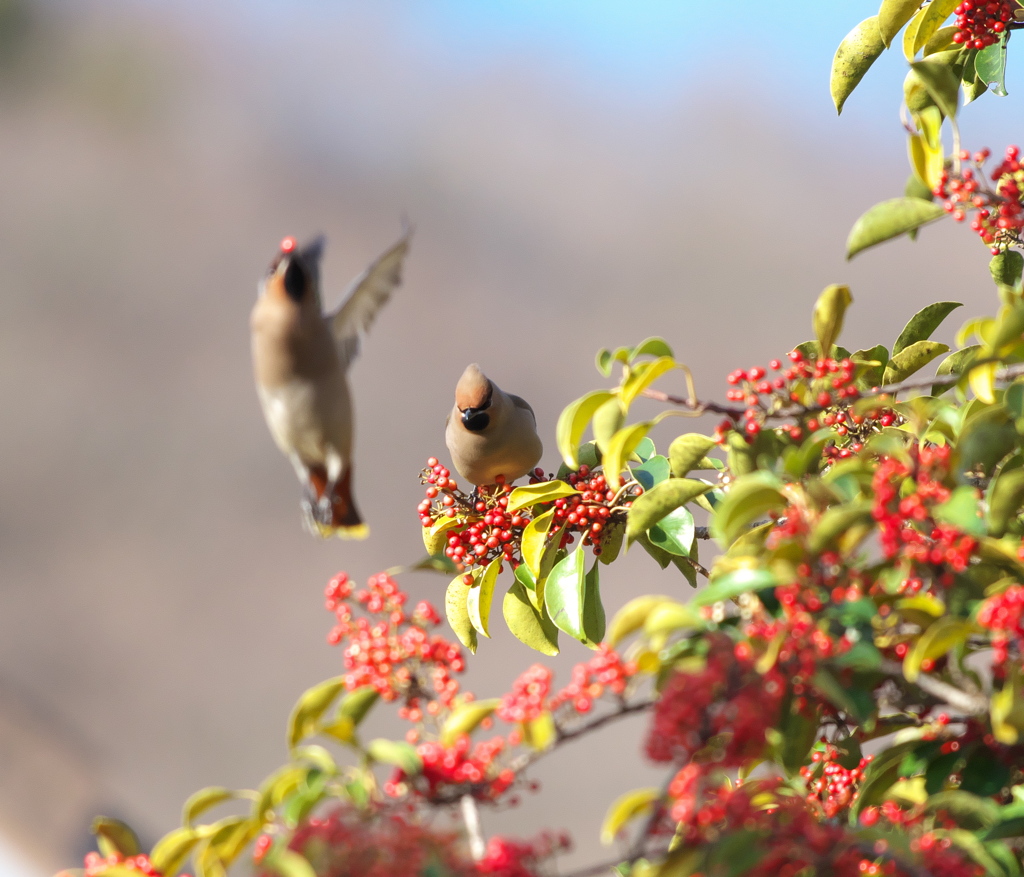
(294, 280)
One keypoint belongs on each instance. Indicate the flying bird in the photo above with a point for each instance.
(301, 357)
(490, 433)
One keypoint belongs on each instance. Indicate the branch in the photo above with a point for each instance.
(735, 412)
(970, 704)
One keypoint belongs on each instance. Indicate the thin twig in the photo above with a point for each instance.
(970, 704)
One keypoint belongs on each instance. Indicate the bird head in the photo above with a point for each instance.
(473, 397)
(295, 271)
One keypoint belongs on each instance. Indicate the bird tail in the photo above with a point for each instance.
(345, 522)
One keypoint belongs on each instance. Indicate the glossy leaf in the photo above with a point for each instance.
(855, 55)
(888, 220)
(611, 540)
(945, 634)
(892, 15)
(593, 608)
(457, 612)
(674, 532)
(620, 447)
(563, 594)
(1006, 268)
(934, 14)
(114, 836)
(653, 471)
(910, 34)
(626, 808)
(534, 542)
(545, 491)
(732, 584)
(435, 537)
(480, 597)
(397, 752)
(527, 624)
(749, 499)
(990, 66)
(911, 359)
(829, 311)
(203, 800)
(653, 505)
(466, 718)
(942, 84)
(644, 374)
(607, 420)
(956, 363)
(573, 421)
(305, 718)
(921, 326)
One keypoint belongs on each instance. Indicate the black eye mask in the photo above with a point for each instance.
(476, 419)
(295, 280)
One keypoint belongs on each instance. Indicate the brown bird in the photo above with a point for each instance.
(301, 358)
(490, 433)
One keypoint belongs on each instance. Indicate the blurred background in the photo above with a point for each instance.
(581, 173)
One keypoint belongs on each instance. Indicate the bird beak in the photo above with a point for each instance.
(475, 419)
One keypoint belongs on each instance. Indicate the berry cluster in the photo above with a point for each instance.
(448, 769)
(392, 650)
(829, 784)
(96, 865)
(980, 22)
(905, 494)
(508, 858)
(818, 384)
(1003, 614)
(792, 838)
(998, 213)
(604, 671)
(528, 697)
(593, 509)
(727, 704)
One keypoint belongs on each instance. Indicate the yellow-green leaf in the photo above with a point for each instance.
(631, 617)
(621, 446)
(910, 359)
(856, 53)
(541, 732)
(203, 800)
(455, 608)
(687, 451)
(644, 374)
(531, 494)
(890, 219)
(910, 34)
(625, 809)
(115, 836)
(397, 752)
(534, 541)
(923, 323)
(435, 537)
(607, 421)
(572, 423)
(288, 863)
(305, 717)
(654, 504)
(982, 380)
(892, 15)
(1006, 499)
(172, 850)
(357, 703)
(1007, 710)
(935, 13)
(466, 718)
(528, 624)
(927, 161)
(748, 499)
(478, 601)
(945, 634)
(942, 84)
(828, 314)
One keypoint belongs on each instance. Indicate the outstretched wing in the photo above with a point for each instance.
(368, 292)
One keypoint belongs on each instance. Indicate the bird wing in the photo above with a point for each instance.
(365, 297)
(522, 403)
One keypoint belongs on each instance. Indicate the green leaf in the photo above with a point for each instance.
(172, 850)
(653, 346)
(934, 14)
(1006, 269)
(855, 703)
(749, 498)
(871, 365)
(621, 445)
(911, 359)
(1008, 329)
(1006, 498)
(607, 421)
(687, 451)
(984, 774)
(435, 537)
(534, 542)
(968, 810)
(732, 584)
(114, 836)
(572, 423)
(625, 809)
(828, 314)
(480, 596)
(855, 55)
(888, 220)
(652, 472)
(397, 752)
(962, 511)
(357, 703)
(288, 863)
(563, 594)
(305, 718)
(611, 540)
(203, 800)
(955, 364)
(644, 374)
(662, 499)
(945, 634)
(942, 84)
(990, 65)
(674, 532)
(923, 323)
(528, 625)
(837, 522)
(545, 491)
(631, 617)
(466, 718)
(593, 608)
(457, 612)
(892, 15)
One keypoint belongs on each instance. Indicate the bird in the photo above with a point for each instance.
(301, 357)
(491, 435)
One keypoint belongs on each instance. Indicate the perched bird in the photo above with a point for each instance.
(490, 433)
(301, 357)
